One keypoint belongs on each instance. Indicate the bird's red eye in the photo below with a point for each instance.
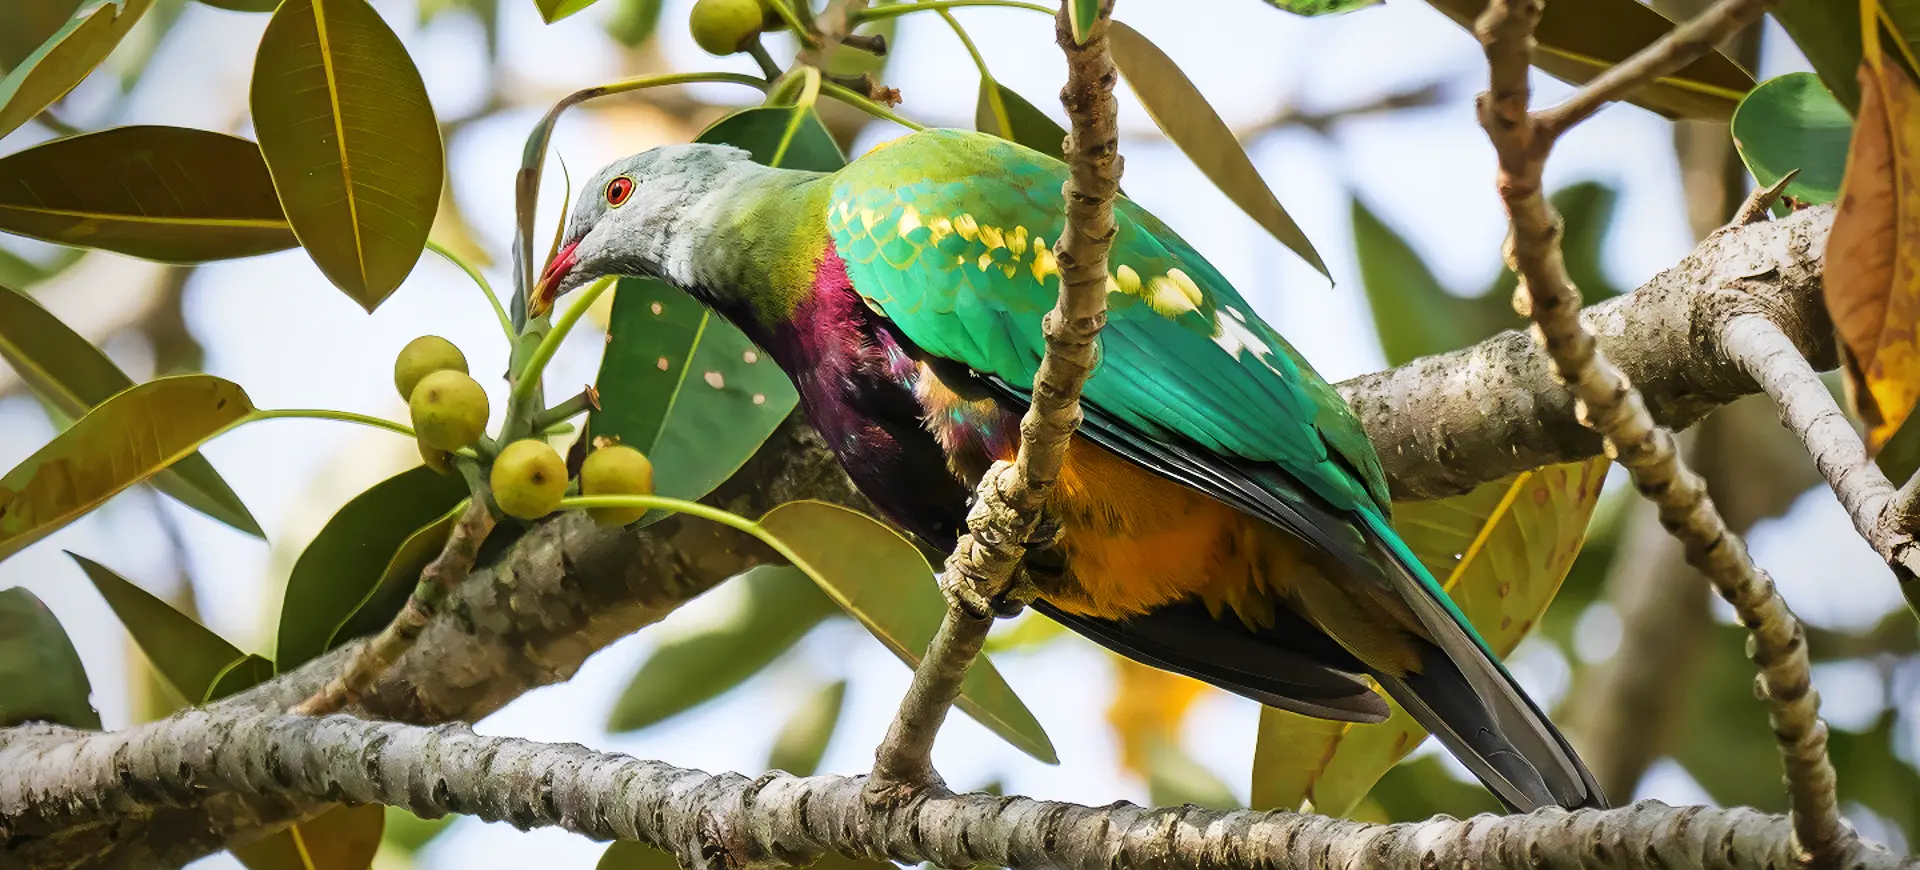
(618, 190)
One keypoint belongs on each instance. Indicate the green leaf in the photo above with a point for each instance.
(1900, 456)
(18, 271)
(244, 5)
(344, 564)
(342, 838)
(634, 21)
(882, 580)
(630, 855)
(1412, 313)
(163, 193)
(41, 678)
(410, 833)
(1423, 788)
(1829, 35)
(686, 387)
(1085, 13)
(1174, 779)
(802, 742)
(121, 442)
(1311, 8)
(26, 24)
(1579, 39)
(397, 581)
(197, 663)
(1030, 126)
(554, 10)
(760, 130)
(73, 376)
(779, 607)
(1791, 122)
(1184, 115)
(351, 140)
(1504, 549)
(64, 59)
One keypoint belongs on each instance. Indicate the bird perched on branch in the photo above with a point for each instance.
(1222, 514)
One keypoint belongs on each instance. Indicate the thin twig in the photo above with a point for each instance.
(1682, 45)
(1881, 515)
(1761, 200)
(1607, 403)
(588, 399)
(1006, 516)
(437, 581)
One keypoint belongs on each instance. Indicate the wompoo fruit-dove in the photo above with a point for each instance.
(529, 479)
(1222, 512)
(616, 470)
(424, 356)
(449, 410)
(724, 27)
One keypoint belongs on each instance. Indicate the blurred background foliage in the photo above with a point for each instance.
(1649, 676)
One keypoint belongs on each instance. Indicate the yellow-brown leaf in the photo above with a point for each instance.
(1873, 255)
(1148, 706)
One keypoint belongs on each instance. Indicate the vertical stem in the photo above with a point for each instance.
(1006, 516)
(439, 578)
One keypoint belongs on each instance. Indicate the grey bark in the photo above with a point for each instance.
(55, 778)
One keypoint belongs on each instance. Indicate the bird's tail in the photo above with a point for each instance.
(1466, 698)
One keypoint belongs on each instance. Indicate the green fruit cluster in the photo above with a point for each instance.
(448, 407)
(529, 479)
(724, 27)
(616, 470)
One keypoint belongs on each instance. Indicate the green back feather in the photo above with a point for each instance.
(947, 232)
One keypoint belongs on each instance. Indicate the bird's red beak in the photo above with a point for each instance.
(547, 289)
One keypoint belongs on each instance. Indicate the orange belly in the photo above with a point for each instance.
(1135, 541)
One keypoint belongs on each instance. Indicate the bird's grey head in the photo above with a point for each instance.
(629, 219)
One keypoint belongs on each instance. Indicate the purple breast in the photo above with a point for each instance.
(856, 383)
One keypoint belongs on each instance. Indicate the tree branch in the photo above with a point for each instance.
(1807, 409)
(53, 779)
(1608, 403)
(1006, 516)
(541, 601)
(1445, 424)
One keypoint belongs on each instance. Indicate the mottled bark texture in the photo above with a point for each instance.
(1005, 520)
(1444, 424)
(1608, 403)
(52, 779)
(541, 602)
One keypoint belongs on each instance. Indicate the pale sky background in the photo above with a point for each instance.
(274, 325)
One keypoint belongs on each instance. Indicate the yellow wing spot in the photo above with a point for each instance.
(941, 228)
(986, 260)
(1128, 280)
(1017, 242)
(1009, 269)
(1187, 286)
(909, 221)
(966, 227)
(1166, 298)
(868, 219)
(991, 237)
(1044, 266)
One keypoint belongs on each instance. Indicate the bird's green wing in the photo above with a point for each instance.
(948, 233)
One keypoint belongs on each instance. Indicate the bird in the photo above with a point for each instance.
(1221, 512)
